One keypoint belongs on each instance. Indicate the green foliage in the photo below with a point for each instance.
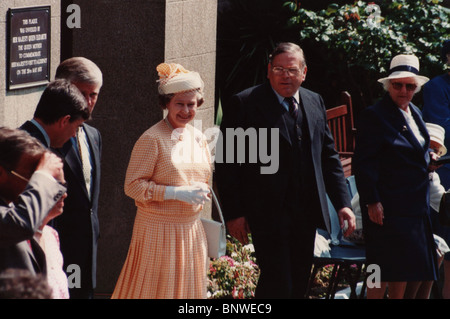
(361, 39)
(248, 31)
(346, 48)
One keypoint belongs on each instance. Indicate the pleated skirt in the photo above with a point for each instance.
(167, 258)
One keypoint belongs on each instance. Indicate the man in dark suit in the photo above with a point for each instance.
(31, 183)
(60, 111)
(78, 226)
(282, 208)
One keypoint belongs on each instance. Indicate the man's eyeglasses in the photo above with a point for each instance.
(409, 86)
(278, 70)
(20, 176)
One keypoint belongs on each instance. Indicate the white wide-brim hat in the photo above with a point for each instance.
(437, 134)
(405, 66)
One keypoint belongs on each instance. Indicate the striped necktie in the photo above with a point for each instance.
(293, 108)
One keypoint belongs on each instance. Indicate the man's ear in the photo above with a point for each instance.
(305, 69)
(63, 121)
(269, 68)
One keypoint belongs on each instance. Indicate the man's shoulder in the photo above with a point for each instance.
(28, 126)
(89, 129)
(34, 131)
(254, 90)
(311, 94)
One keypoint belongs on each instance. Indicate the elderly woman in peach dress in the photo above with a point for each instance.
(168, 177)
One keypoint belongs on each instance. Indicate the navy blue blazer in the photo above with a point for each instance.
(78, 225)
(244, 191)
(34, 131)
(390, 165)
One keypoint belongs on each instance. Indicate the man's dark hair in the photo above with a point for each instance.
(14, 143)
(59, 99)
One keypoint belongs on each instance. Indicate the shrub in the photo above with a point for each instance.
(359, 40)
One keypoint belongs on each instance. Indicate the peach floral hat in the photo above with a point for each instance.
(174, 78)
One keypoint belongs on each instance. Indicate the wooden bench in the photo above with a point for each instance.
(340, 122)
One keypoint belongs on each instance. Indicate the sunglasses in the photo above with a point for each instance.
(409, 87)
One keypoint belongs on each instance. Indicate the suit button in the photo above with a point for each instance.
(58, 196)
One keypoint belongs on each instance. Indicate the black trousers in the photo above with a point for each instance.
(284, 251)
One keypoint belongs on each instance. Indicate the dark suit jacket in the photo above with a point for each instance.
(78, 225)
(244, 191)
(34, 131)
(19, 222)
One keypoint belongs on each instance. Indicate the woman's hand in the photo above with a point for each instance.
(196, 194)
(433, 166)
(376, 213)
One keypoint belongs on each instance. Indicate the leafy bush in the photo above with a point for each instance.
(247, 32)
(358, 41)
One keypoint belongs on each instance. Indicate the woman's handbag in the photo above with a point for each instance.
(215, 232)
(444, 210)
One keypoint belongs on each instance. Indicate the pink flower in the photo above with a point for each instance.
(229, 259)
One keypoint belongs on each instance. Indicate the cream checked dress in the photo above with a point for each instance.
(167, 257)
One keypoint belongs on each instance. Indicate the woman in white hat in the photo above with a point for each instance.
(167, 177)
(391, 171)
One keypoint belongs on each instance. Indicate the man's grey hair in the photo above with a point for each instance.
(80, 69)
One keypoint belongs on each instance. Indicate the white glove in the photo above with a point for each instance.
(195, 194)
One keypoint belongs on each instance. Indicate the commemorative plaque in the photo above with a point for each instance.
(29, 47)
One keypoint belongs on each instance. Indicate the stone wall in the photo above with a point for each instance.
(128, 39)
(17, 106)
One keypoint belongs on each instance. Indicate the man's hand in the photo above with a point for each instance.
(53, 165)
(238, 228)
(376, 213)
(346, 214)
